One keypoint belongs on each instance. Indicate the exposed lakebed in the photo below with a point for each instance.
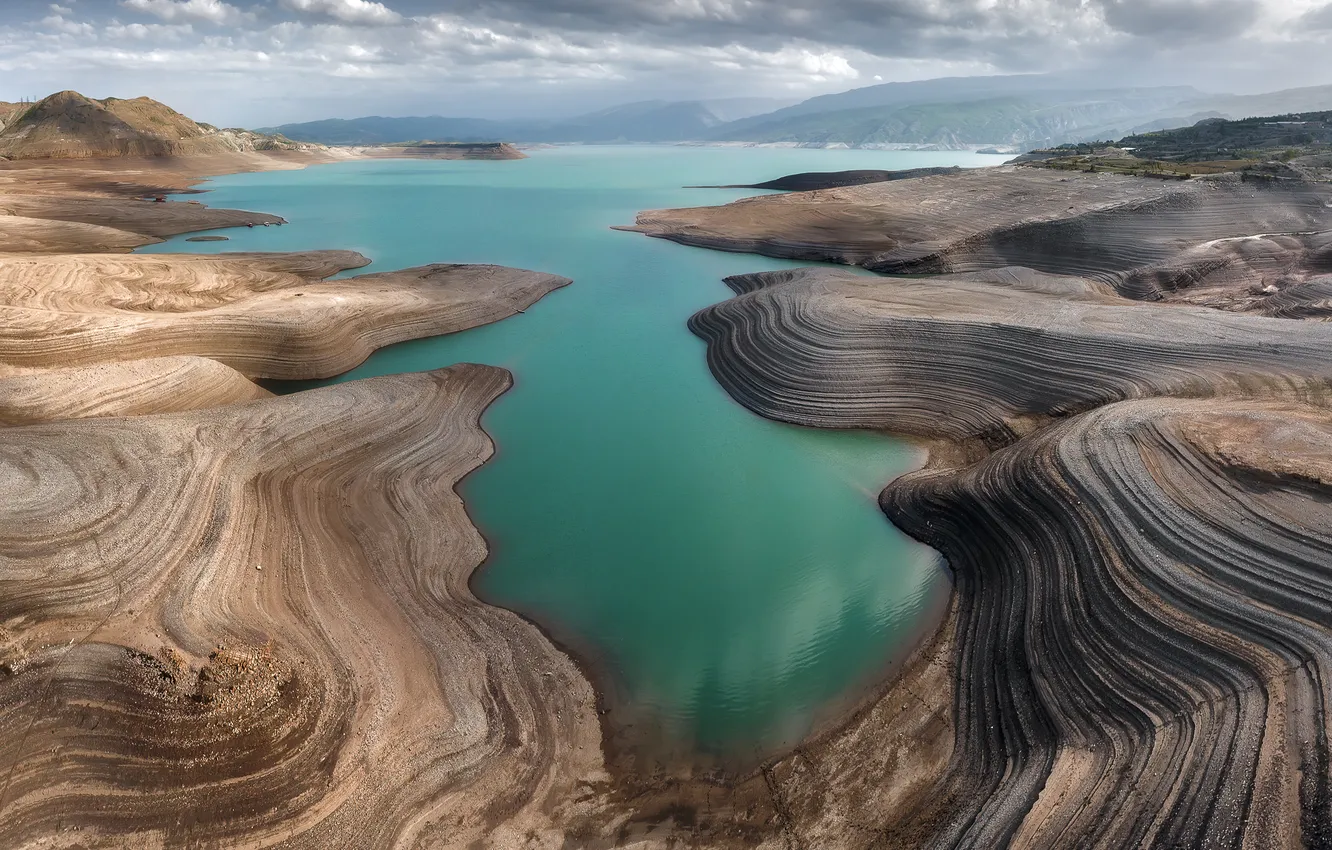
(729, 579)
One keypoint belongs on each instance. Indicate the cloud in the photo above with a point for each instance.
(1319, 19)
(543, 57)
(1172, 19)
(347, 11)
(211, 11)
(63, 25)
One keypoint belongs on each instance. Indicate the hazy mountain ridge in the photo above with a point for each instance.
(1025, 111)
(643, 121)
(1006, 121)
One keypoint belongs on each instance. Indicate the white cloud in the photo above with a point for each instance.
(212, 11)
(117, 31)
(63, 25)
(347, 11)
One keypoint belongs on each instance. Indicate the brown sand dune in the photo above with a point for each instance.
(252, 625)
(268, 316)
(121, 388)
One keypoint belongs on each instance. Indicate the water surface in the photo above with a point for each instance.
(730, 580)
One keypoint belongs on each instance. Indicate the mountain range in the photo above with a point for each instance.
(1014, 112)
(644, 121)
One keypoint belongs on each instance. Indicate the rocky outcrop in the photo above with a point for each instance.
(810, 181)
(267, 316)
(959, 358)
(1186, 241)
(59, 224)
(253, 623)
(1144, 637)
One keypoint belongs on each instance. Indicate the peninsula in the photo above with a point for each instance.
(1123, 383)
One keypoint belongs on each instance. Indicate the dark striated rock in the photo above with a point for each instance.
(1139, 534)
(1146, 630)
(809, 181)
(1206, 241)
(985, 357)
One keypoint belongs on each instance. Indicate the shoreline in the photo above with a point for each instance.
(1053, 400)
(563, 751)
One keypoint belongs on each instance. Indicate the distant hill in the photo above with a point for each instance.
(1285, 136)
(1022, 111)
(1281, 147)
(1035, 119)
(644, 121)
(68, 125)
(1043, 88)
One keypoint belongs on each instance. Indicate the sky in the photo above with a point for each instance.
(256, 63)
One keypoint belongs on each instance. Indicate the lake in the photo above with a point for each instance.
(728, 581)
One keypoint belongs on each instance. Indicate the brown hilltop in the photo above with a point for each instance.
(68, 125)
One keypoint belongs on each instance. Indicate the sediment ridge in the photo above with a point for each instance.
(1134, 501)
(1224, 241)
(259, 615)
(266, 315)
(233, 619)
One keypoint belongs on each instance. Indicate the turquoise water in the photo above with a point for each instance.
(729, 580)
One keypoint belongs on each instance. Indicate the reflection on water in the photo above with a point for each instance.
(727, 577)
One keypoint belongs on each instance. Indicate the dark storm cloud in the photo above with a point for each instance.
(1172, 19)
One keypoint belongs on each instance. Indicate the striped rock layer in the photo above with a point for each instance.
(251, 626)
(1221, 242)
(264, 315)
(1135, 505)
